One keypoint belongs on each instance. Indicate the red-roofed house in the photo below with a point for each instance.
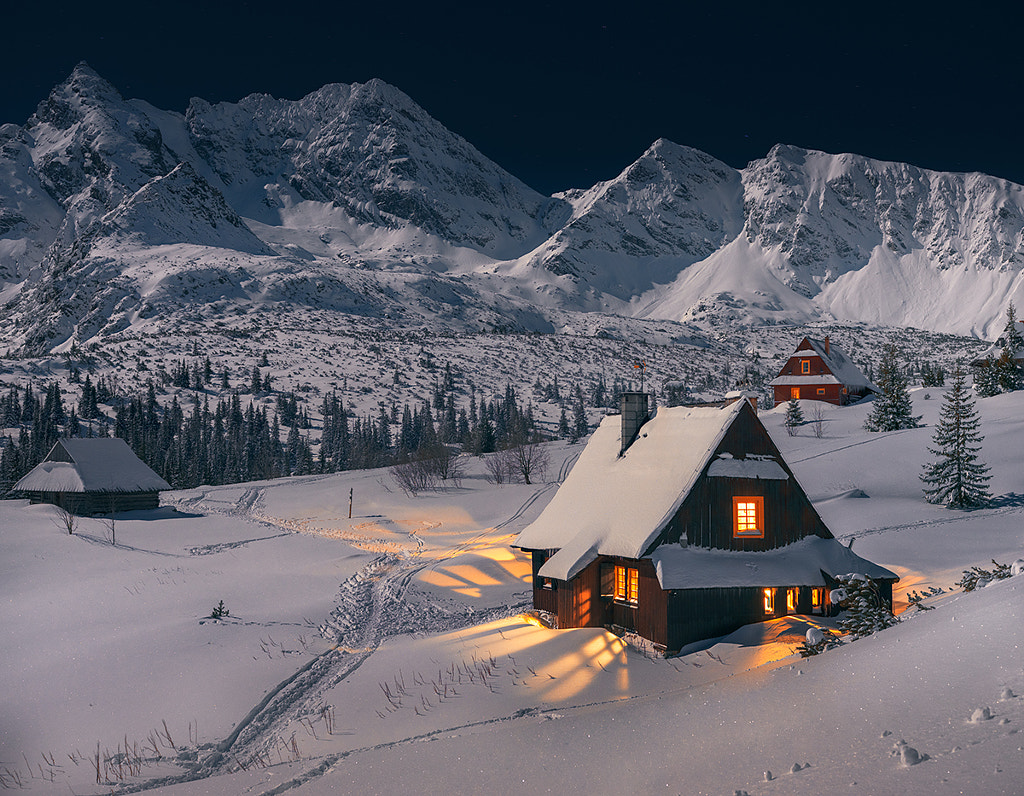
(819, 371)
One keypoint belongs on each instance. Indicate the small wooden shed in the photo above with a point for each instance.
(683, 527)
(101, 475)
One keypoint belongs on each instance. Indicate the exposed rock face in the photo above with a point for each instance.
(354, 199)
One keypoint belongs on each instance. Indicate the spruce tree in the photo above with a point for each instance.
(956, 479)
(579, 418)
(865, 610)
(986, 381)
(794, 416)
(891, 410)
(1013, 341)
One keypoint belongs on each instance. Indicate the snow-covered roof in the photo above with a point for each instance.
(796, 564)
(996, 349)
(764, 467)
(840, 365)
(102, 464)
(822, 378)
(617, 505)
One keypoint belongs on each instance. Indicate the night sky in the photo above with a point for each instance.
(564, 95)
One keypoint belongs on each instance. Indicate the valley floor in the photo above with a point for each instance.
(389, 652)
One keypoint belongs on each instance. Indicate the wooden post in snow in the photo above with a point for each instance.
(350, 503)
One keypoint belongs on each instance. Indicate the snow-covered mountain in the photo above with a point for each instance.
(354, 200)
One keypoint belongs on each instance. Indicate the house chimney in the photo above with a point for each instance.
(826, 346)
(634, 415)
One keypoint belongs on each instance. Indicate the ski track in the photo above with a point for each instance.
(371, 606)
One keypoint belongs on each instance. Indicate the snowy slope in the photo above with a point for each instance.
(370, 654)
(358, 188)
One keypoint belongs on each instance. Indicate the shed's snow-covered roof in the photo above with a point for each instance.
(796, 564)
(841, 366)
(617, 505)
(103, 464)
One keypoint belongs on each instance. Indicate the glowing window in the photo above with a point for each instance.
(816, 598)
(805, 366)
(748, 517)
(627, 584)
(791, 598)
(794, 393)
(769, 601)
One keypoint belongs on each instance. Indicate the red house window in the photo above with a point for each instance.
(748, 517)
(805, 366)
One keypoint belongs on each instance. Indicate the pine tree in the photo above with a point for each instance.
(579, 418)
(1007, 372)
(891, 410)
(986, 382)
(1013, 341)
(865, 610)
(957, 479)
(794, 416)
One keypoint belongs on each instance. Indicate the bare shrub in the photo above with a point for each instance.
(497, 466)
(414, 476)
(817, 422)
(519, 464)
(428, 470)
(529, 463)
(65, 520)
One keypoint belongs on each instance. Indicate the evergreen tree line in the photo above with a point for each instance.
(1004, 373)
(222, 443)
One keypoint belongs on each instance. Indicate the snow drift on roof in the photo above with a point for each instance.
(616, 506)
(97, 465)
(763, 467)
(796, 564)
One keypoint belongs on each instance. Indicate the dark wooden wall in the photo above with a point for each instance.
(705, 516)
(649, 617)
(544, 599)
(89, 503)
(696, 614)
(579, 600)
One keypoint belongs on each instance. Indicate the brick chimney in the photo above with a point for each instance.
(826, 346)
(634, 414)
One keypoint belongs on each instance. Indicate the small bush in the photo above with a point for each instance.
(976, 577)
(865, 610)
(219, 612)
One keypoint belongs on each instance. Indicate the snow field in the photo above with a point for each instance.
(392, 656)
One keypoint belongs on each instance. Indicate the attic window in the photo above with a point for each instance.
(627, 584)
(805, 366)
(748, 517)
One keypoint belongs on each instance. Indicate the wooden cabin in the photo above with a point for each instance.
(101, 475)
(684, 526)
(994, 351)
(820, 371)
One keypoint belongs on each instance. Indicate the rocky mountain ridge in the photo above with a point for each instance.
(354, 200)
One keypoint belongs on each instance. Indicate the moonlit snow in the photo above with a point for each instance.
(390, 652)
